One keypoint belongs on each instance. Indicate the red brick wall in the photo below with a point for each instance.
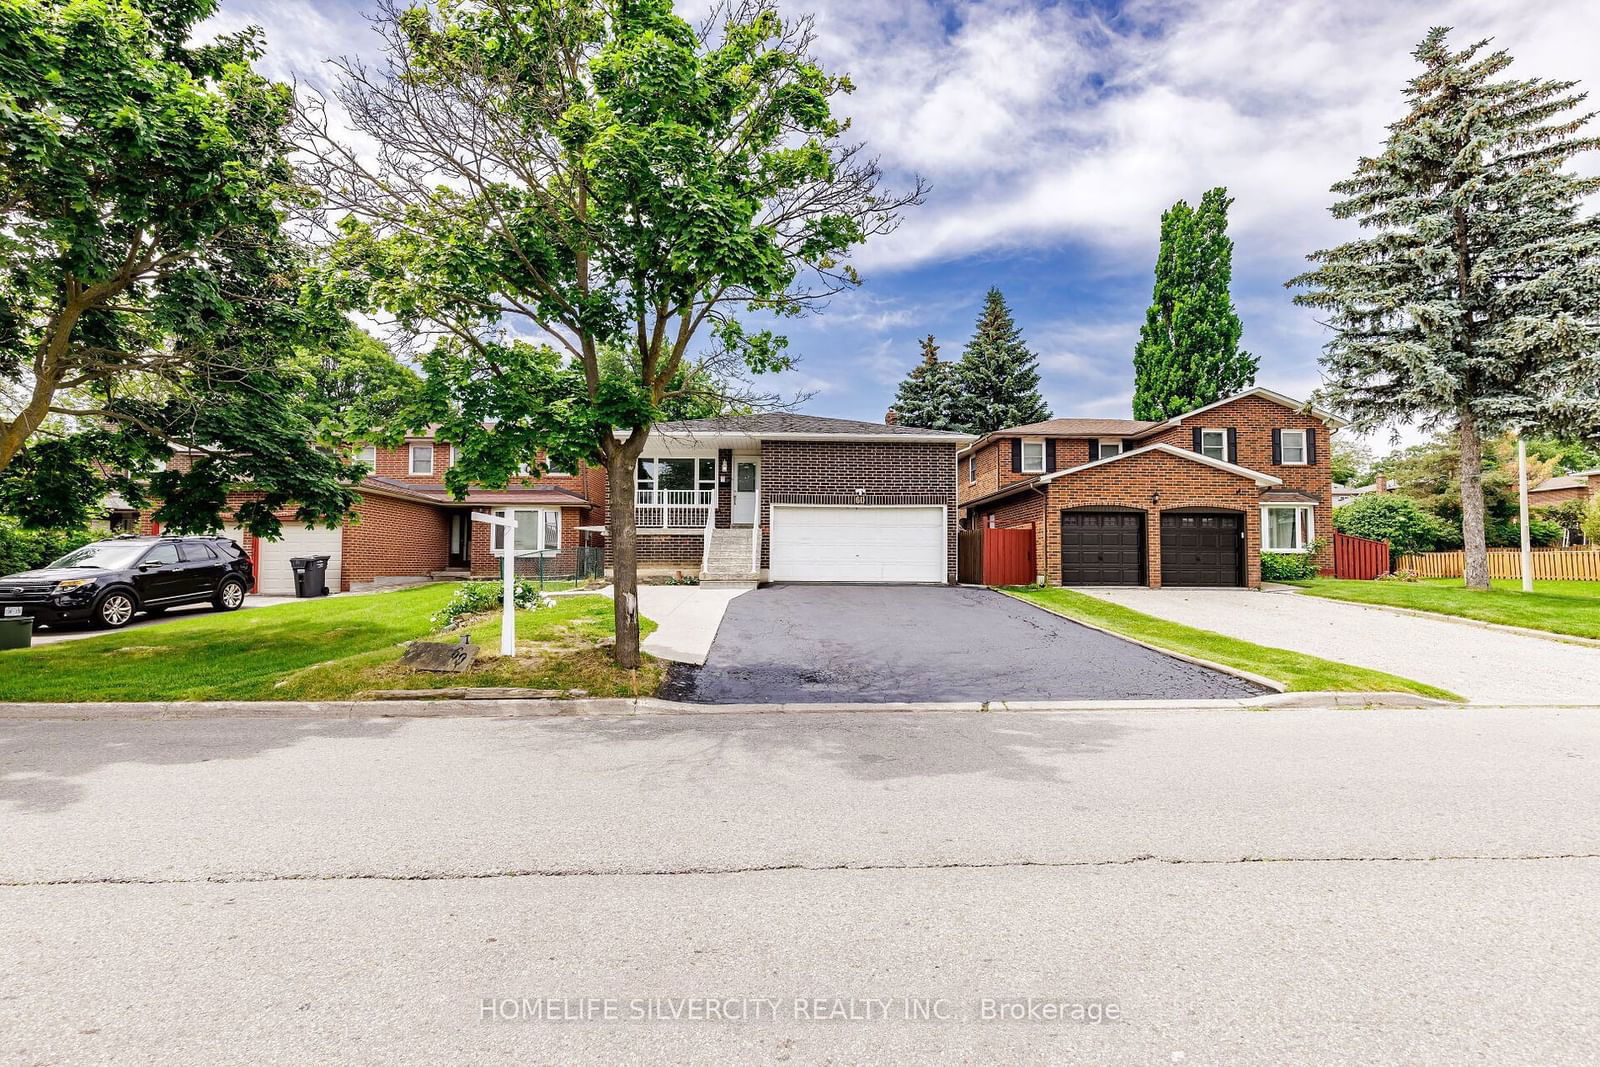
(394, 539)
(485, 564)
(994, 463)
(898, 472)
(588, 482)
(1552, 497)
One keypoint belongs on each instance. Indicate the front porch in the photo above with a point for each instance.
(695, 509)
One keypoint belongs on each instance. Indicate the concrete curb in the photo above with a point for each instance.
(649, 706)
(1221, 668)
(1418, 613)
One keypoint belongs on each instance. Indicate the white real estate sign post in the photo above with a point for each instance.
(508, 607)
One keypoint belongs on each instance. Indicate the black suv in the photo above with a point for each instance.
(107, 582)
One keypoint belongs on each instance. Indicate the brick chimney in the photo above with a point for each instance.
(890, 418)
(1383, 484)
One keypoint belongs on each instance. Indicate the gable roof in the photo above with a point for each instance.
(1262, 480)
(1083, 427)
(1575, 480)
(1329, 419)
(797, 427)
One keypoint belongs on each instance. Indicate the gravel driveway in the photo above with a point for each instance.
(1485, 666)
(876, 643)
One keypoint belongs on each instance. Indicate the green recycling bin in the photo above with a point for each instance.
(16, 632)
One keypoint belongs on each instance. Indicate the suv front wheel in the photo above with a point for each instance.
(230, 595)
(115, 610)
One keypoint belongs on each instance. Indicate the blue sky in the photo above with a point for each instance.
(1053, 135)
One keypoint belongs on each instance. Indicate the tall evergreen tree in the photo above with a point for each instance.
(998, 374)
(930, 393)
(1188, 353)
(1474, 306)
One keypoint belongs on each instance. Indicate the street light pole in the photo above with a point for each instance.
(508, 600)
(1522, 499)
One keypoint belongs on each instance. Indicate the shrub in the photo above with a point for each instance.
(1591, 520)
(1288, 566)
(23, 549)
(1402, 575)
(1392, 518)
(480, 598)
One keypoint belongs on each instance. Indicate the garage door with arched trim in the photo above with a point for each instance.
(1102, 548)
(1202, 549)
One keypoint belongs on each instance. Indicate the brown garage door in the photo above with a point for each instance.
(1201, 549)
(1102, 548)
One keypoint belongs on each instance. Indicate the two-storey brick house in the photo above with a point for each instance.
(1191, 500)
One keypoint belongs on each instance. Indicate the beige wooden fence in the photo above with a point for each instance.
(1581, 564)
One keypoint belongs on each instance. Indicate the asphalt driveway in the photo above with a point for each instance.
(882, 643)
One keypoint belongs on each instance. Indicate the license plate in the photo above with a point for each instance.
(10, 612)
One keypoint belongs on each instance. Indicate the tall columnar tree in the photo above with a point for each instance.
(1188, 353)
(1474, 304)
(597, 173)
(998, 374)
(149, 291)
(929, 395)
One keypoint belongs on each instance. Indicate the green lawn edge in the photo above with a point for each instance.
(1563, 608)
(293, 652)
(1295, 671)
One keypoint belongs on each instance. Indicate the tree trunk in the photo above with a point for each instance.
(621, 459)
(1474, 546)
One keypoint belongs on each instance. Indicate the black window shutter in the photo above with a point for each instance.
(1233, 445)
(1016, 455)
(1311, 447)
(1197, 446)
(1094, 449)
(1127, 445)
(1277, 446)
(1050, 454)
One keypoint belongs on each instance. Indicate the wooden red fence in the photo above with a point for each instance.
(1008, 556)
(1360, 558)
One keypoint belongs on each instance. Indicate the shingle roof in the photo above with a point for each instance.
(780, 423)
(512, 494)
(1575, 480)
(1083, 427)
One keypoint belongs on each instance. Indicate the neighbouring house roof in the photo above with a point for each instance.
(1575, 480)
(1260, 479)
(789, 426)
(1136, 428)
(438, 494)
(1289, 496)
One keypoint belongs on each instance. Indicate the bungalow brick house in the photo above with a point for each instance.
(738, 499)
(1191, 500)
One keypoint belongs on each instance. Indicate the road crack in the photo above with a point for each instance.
(777, 868)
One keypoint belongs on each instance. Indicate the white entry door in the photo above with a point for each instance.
(746, 476)
(858, 544)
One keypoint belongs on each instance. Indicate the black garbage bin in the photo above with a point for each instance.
(310, 575)
(16, 632)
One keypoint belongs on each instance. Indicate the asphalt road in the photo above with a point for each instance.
(1266, 887)
(821, 643)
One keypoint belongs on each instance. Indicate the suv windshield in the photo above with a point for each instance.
(104, 555)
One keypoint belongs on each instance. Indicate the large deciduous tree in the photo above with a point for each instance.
(597, 173)
(998, 374)
(149, 290)
(929, 396)
(1188, 353)
(1474, 303)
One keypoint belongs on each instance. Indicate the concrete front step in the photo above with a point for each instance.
(728, 583)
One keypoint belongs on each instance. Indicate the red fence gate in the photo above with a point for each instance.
(1008, 556)
(1360, 558)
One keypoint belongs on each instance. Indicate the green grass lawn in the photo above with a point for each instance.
(319, 649)
(1562, 607)
(1297, 671)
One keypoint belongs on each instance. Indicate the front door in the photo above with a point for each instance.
(746, 475)
(460, 539)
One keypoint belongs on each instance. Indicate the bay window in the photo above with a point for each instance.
(538, 530)
(1286, 528)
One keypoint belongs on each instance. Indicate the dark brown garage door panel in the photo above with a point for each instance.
(1201, 549)
(1102, 548)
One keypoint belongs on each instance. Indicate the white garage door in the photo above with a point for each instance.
(858, 544)
(276, 576)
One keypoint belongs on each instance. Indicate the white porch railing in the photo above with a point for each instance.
(673, 509)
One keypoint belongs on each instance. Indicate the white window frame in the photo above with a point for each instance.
(1026, 469)
(703, 484)
(497, 539)
(972, 470)
(367, 454)
(1283, 448)
(1222, 433)
(1104, 442)
(1305, 527)
(416, 450)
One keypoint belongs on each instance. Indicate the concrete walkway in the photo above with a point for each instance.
(1485, 666)
(686, 619)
